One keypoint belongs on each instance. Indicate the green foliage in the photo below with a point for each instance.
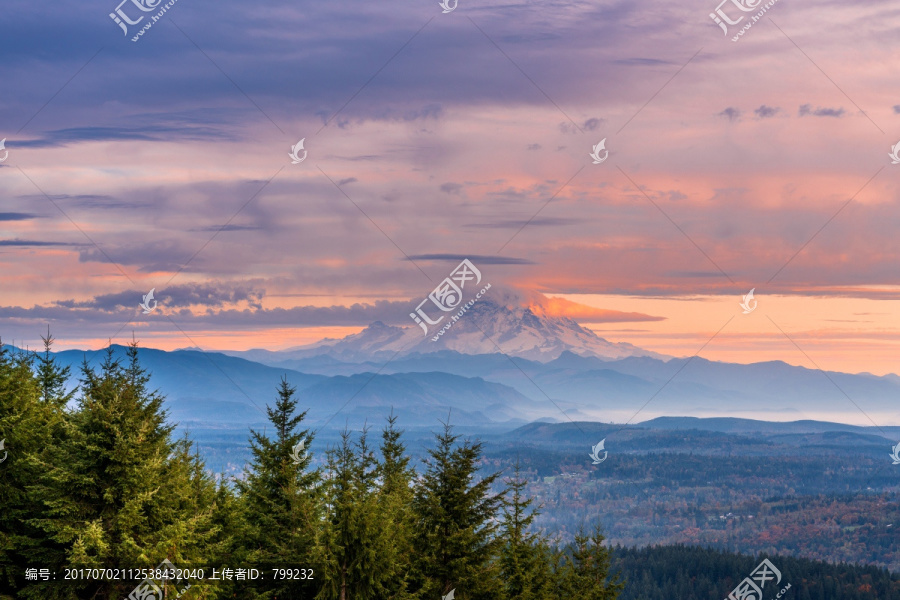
(585, 569)
(455, 524)
(352, 567)
(95, 478)
(524, 565)
(394, 516)
(51, 377)
(677, 571)
(106, 485)
(27, 426)
(280, 500)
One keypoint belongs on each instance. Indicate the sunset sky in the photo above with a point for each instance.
(434, 137)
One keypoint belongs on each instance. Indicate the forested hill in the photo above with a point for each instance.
(690, 573)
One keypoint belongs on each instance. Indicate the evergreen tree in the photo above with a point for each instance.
(586, 573)
(395, 516)
(524, 558)
(455, 525)
(51, 376)
(27, 428)
(118, 492)
(228, 517)
(281, 501)
(352, 565)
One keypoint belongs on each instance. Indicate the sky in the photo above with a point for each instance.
(431, 137)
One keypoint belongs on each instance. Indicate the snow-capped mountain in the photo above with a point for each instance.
(490, 326)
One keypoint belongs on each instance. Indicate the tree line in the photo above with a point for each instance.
(679, 571)
(96, 477)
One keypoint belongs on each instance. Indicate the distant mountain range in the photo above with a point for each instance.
(209, 388)
(547, 368)
(680, 434)
(644, 387)
(496, 390)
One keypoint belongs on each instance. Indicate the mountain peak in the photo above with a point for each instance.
(526, 325)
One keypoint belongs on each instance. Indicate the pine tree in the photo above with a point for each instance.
(524, 558)
(51, 376)
(27, 428)
(228, 517)
(118, 491)
(395, 517)
(280, 497)
(194, 538)
(455, 524)
(352, 565)
(586, 573)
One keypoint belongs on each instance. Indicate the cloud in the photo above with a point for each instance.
(208, 294)
(518, 224)
(592, 124)
(347, 180)
(541, 305)
(229, 227)
(765, 112)
(588, 125)
(154, 133)
(560, 307)
(217, 309)
(451, 188)
(693, 274)
(91, 201)
(381, 64)
(731, 113)
(477, 259)
(111, 309)
(25, 243)
(17, 216)
(897, 109)
(534, 147)
(643, 62)
(150, 256)
(806, 109)
(429, 111)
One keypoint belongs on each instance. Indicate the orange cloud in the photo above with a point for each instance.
(541, 305)
(560, 307)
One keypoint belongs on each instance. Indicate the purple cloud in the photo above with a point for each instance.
(806, 109)
(765, 112)
(731, 113)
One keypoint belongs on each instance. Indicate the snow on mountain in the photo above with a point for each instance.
(496, 323)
